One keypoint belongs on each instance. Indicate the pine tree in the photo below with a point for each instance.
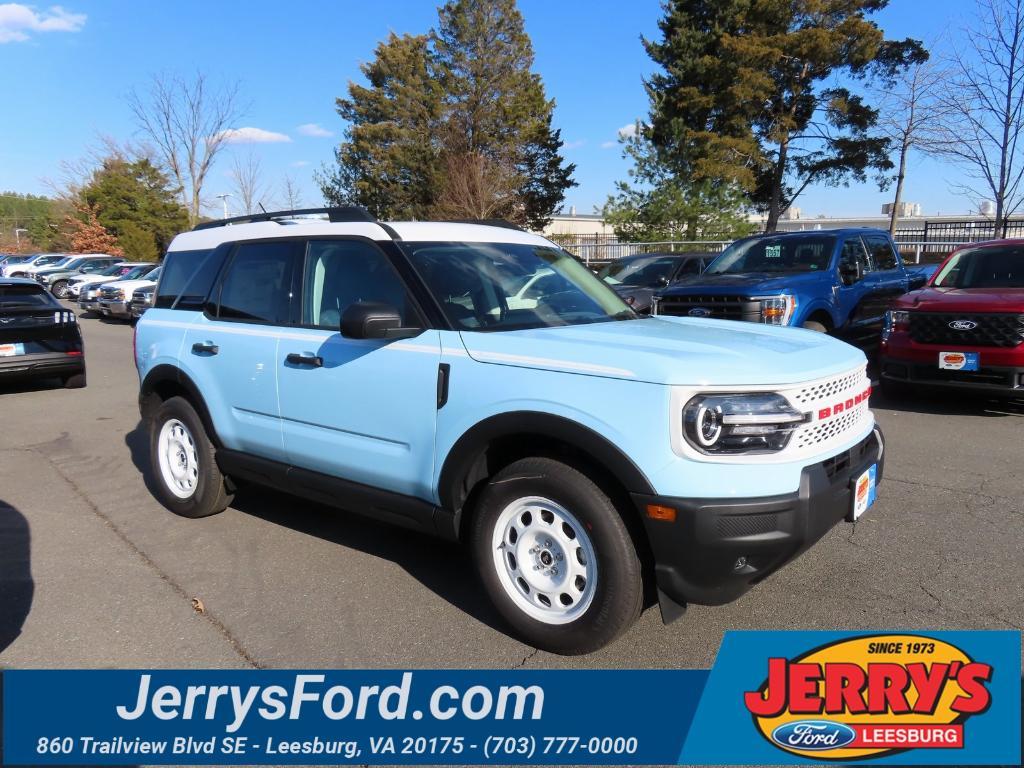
(495, 105)
(133, 200)
(390, 160)
(748, 93)
(452, 124)
(656, 204)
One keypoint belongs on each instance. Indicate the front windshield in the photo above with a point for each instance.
(112, 270)
(995, 267)
(51, 261)
(775, 254)
(137, 272)
(643, 273)
(513, 286)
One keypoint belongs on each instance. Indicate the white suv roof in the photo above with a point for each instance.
(211, 235)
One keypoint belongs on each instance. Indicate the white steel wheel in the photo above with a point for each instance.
(545, 560)
(178, 459)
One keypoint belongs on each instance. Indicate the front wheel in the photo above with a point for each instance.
(556, 557)
(814, 325)
(182, 459)
(60, 289)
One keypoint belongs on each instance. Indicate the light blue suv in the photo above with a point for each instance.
(593, 461)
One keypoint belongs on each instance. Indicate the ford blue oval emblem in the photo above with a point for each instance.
(963, 325)
(814, 735)
(699, 312)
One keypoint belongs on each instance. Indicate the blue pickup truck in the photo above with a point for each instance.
(838, 281)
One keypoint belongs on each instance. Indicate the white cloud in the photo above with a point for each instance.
(609, 144)
(299, 164)
(627, 131)
(574, 144)
(250, 135)
(18, 20)
(314, 129)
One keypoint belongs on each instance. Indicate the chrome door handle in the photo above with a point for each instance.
(205, 348)
(305, 358)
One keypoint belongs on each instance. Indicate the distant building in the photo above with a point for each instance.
(903, 211)
(576, 224)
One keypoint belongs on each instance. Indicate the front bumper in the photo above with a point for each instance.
(115, 308)
(1001, 380)
(717, 549)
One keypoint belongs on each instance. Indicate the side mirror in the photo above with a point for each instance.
(374, 320)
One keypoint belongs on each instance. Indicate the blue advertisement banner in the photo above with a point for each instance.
(772, 697)
(216, 717)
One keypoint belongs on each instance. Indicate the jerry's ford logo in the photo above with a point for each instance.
(699, 312)
(870, 695)
(814, 735)
(963, 325)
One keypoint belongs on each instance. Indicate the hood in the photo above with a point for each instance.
(964, 300)
(746, 282)
(671, 350)
(636, 296)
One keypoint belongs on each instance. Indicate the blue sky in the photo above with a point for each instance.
(64, 74)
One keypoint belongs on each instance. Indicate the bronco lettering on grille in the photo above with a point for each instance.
(844, 405)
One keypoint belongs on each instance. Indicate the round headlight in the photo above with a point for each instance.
(755, 422)
(709, 424)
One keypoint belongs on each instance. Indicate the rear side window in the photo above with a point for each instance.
(881, 252)
(257, 286)
(187, 278)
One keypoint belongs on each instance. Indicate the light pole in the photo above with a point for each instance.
(224, 199)
(17, 236)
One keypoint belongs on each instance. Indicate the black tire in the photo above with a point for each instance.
(618, 594)
(74, 381)
(210, 493)
(814, 325)
(60, 289)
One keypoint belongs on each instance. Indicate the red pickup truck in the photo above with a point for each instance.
(965, 328)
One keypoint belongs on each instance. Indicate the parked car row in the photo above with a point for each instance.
(955, 325)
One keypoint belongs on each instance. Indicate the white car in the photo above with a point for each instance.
(29, 268)
(120, 271)
(115, 299)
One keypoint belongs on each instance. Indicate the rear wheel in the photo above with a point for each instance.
(556, 557)
(60, 289)
(74, 381)
(182, 457)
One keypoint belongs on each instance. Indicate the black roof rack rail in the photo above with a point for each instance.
(503, 223)
(342, 213)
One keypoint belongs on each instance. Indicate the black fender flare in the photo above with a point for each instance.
(169, 374)
(468, 448)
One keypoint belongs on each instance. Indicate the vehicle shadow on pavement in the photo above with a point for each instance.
(16, 585)
(29, 385)
(443, 567)
(948, 404)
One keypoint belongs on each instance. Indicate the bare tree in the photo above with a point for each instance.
(985, 102)
(247, 178)
(477, 187)
(291, 193)
(187, 123)
(913, 117)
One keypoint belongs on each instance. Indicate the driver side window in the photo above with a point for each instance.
(340, 273)
(853, 261)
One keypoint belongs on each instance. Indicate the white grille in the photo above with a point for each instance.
(826, 389)
(820, 433)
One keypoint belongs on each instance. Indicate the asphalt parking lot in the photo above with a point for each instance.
(95, 573)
